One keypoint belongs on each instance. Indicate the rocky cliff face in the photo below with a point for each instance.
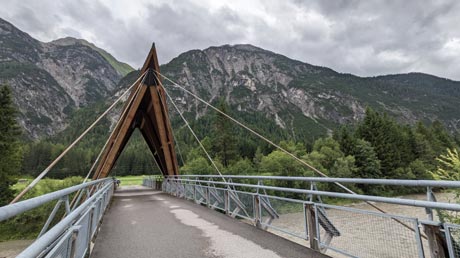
(304, 98)
(50, 80)
(81, 71)
(254, 80)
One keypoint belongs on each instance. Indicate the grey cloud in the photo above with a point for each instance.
(362, 37)
(416, 30)
(193, 26)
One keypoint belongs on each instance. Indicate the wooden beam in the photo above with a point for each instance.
(172, 153)
(147, 101)
(125, 124)
(160, 122)
(115, 134)
(152, 141)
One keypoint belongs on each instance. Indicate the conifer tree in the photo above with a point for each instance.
(224, 144)
(10, 148)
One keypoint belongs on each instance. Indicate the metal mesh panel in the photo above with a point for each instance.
(367, 234)
(291, 220)
(83, 237)
(200, 194)
(95, 218)
(453, 240)
(62, 248)
(189, 191)
(105, 201)
(217, 198)
(167, 186)
(101, 206)
(247, 199)
(180, 190)
(175, 188)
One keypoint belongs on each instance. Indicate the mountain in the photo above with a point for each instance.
(304, 99)
(51, 80)
(271, 92)
(121, 68)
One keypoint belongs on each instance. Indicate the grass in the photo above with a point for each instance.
(130, 180)
(46, 185)
(42, 186)
(120, 67)
(28, 224)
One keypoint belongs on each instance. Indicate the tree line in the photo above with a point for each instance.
(376, 147)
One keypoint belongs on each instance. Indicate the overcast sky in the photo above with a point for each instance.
(360, 37)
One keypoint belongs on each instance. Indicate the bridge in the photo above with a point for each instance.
(176, 215)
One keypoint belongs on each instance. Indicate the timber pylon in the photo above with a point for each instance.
(146, 110)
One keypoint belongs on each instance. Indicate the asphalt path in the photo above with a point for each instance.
(144, 223)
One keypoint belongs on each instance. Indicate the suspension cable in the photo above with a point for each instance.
(278, 147)
(252, 131)
(118, 122)
(234, 195)
(106, 143)
(50, 166)
(172, 131)
(194, 135)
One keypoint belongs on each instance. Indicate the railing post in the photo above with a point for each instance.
(93, 226)
(436, 241)
(257, 211)
(226, 202)
(207, 196)
(73, 244)
(312, 227)
(429, 197)
(194, 191)
(51, 217)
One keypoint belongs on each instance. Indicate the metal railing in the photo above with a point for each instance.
(153, 182)
(351, 231)
(72, 235)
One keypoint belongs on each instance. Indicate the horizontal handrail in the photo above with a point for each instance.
(399, 182)
(37, 247)
(407, 202)
(12, 210)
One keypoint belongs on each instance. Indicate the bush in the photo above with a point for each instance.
(29, 224)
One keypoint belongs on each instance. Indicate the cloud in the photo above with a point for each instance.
(362, 37)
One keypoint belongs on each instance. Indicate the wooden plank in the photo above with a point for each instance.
(159, 119)
(120, 150)
(168, 126)
(164, 110)
(155, 153)
(152, 141)
(125, 125)
(116, 130)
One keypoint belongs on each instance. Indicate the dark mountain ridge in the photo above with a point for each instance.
(50, 80)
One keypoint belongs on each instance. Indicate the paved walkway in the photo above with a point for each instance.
(145, 223)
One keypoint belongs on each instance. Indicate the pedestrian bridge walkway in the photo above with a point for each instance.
(236, 216)
(145, 223)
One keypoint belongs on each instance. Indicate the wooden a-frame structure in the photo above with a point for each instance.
(144, 109)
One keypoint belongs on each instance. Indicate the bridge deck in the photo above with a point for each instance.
(145, 223)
